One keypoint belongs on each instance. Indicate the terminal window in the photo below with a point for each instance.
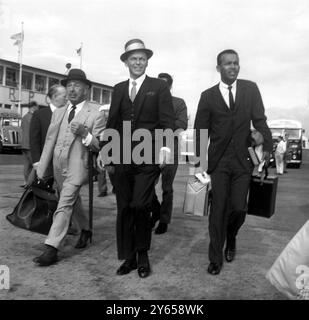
(11, 76)
(106, 97)
(96, 94)
(52, 81)
(40, 83)
(26, 81)
(1, 74)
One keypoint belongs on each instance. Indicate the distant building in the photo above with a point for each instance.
(35, 84)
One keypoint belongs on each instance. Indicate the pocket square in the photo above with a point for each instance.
(150, 93)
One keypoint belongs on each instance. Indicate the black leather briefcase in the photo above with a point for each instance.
(262, 196)
(35, 209)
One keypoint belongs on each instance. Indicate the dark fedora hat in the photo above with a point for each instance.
(76, 74)
(135, 45)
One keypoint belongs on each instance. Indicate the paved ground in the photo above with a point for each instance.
(179, 257)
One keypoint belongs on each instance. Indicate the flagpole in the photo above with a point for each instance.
(81, 55)
(20, 57)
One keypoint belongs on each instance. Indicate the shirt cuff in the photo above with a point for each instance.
(86, 142)
(165, 149)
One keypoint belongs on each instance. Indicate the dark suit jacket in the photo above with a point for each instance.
(25, 129)
(38, 129)
(181, 115)
(223, 125)
(153, 106)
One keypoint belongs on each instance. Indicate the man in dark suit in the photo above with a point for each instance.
(144, 103)
(56, 98)
(163, 211)
(25, 142)
(226, 110)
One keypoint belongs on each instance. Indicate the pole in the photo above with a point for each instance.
(20, 58)
(81, 55)
(90, 177)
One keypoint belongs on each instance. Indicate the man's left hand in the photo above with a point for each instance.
(79, 129)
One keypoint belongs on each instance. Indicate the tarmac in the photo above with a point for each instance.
(179, 258)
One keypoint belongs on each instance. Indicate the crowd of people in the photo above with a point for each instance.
(62, 134)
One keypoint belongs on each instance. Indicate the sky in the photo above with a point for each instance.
(271, 37)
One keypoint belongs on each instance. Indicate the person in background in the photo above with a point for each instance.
(25, 142)
(102, 178)
(286, 140)
(56, 98)
(163, 211)
(279, 154)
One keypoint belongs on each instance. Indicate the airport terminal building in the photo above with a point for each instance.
(35, 84)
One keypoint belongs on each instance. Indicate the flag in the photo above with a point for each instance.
(19, 37)
(79, 51)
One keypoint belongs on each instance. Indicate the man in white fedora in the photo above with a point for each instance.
(145, 103)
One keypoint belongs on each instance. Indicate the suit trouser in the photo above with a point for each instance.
(135, 189)
(69, 203)
(230, 185)
(27, 164)
(166, 207)
(102, 181)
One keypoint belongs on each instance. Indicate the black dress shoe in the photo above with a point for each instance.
(102, 194)
(161, 228)
(214, 268)
(229, 254)
(83, 239)
(144, 271)
(127, 267)
(48, 257)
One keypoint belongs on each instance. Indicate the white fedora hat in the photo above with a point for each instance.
(135, 45)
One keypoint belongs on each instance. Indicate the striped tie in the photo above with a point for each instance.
(71, 114)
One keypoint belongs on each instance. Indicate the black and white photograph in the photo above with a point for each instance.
(154, 150)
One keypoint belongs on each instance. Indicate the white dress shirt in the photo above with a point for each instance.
(225, 91)
(139, 81)
(79, 107)
(52, 107)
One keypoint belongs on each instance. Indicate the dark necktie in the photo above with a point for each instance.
(231, 99)
(71, 114)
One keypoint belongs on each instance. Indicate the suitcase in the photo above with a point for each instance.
(262, 196)
(197, 197)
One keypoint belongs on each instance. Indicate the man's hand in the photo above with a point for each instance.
(164, 156)
(79, 129)
(100, 163)
(266, 157)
